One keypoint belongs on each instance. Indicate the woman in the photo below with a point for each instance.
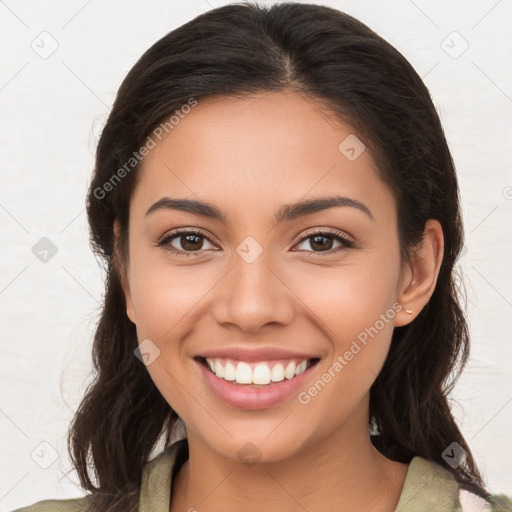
(278, 207)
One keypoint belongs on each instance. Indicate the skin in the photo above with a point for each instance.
(249, 157)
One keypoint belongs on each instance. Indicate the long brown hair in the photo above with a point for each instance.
(333, 58)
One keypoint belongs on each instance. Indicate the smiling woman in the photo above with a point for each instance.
(280, 278)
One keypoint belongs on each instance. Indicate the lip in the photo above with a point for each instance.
(243, 396)
(256, 354)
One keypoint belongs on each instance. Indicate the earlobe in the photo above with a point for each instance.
(123, 273)
(130, 313)
(421, 279)
(130, 310)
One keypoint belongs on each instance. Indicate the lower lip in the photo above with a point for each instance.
(244, 396)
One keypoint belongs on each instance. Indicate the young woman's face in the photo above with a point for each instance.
(265, 276)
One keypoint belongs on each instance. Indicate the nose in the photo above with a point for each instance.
(253, 295)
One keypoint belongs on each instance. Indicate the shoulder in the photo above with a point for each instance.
(155, 484)
(472, 502)
(70, 505)
(429, 486)
(158, 475)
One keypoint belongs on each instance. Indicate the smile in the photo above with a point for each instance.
(257, 372)
(254, 384)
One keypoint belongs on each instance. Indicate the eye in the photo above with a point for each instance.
(190, 241)
(322, 241)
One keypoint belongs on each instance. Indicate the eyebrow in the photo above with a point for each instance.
(287, 212)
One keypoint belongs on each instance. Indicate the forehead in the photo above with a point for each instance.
(265, 149)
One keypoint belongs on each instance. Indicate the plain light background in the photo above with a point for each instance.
(53, 106)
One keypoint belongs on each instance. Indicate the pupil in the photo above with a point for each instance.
(190, 245)
(321, 246)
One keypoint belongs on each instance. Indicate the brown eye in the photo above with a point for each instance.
(323, 241)
(190, 242)
(184, 243)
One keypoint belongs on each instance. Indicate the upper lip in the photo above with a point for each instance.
(255, 354)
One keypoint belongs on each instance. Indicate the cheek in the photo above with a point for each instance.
(165, 297)
(348, 299)
(360, 336)
(162, 307)
(167, 303)
(353, 306)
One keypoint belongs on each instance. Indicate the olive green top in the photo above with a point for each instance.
(427, 488)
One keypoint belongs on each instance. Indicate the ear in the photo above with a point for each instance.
(419, 277)
(122, 268)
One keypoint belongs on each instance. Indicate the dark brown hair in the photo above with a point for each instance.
(328, 56)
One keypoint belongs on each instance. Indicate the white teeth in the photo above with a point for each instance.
(277, 373)
(219, 369)
(229, 372)
(243, 373)
(262, 373)
(289, 371)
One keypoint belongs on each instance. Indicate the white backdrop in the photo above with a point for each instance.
(61, 64)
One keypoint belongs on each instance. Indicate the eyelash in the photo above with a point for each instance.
(164, 242)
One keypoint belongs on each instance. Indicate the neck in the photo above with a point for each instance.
(342, 471)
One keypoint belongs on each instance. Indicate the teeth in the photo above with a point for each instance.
(289, 371)
(277, 373)
(243, 373)
(219, 369)
(301, 367)
(261, 374)
(229, 371)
